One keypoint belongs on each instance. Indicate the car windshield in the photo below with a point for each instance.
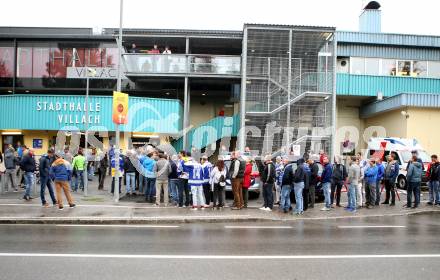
(406, 156)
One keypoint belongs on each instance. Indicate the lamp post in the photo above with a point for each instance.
(89, 73)
(118, 86)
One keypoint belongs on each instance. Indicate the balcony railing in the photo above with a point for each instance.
(181, 64)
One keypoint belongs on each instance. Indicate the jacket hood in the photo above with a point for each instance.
(58, 161)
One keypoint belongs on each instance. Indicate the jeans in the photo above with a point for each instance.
(326, 188)
(298, 188)
(413, 188)
(378, 185)
(45, 181)
(352, 196)
(150, 188)
(336, 186)
(91, 172)
(268, 195)
(370, 193)
(78, 178)
(10, 177)
(142, 181)
(436, 191)
(130, 182)
(182, 186)
(285, 197)
(173, 190)
(29, 180)
(218, 195)
(197, 195)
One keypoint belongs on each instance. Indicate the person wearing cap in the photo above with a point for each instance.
(61, 173)
(45, 181)
(370, 184)
(206, 169)
(268, 179)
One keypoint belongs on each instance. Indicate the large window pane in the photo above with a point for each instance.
(357, 65)
(420, 69)
(388, 67)
(434, 69)
(403, 68)
(6, 60)
(372, 66)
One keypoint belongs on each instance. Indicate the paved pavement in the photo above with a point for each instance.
(99, 207)
(404, 247)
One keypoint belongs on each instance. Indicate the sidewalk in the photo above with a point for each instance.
(99, 208)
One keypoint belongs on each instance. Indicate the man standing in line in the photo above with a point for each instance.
(314, 169)
(286, 185)
(326, 179)
(380, 174)
(11, 162)
(195, 181)
(433, 181)
(390, 176)
(414, 179)
(370, 184)
(279, 166)
(268, 179)
(238, 167)
(339, 175)
(27, 164)
(162, 170)
(354, 173)
(79, 166)
(299, 179)
(148, 162)
(206, 169)
(45, 181)
(20, 173)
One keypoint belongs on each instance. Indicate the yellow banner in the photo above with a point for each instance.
(120, 107)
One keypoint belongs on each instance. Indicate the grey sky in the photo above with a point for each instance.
(398, 16)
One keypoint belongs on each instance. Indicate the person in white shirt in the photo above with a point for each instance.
(167, 50)
(218, 183)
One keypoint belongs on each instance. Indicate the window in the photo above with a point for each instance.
(357, 65)
(388, 67)
(420, 69)
(403, 68)
(372, 66)
(434, 69)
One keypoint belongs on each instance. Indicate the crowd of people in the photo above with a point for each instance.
(185, 181)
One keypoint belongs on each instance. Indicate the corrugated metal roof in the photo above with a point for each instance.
(388, 39)
(305, 27)
(395, 52)
(400, 101)
(176, 32)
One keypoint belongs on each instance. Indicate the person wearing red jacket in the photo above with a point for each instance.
(247, 182)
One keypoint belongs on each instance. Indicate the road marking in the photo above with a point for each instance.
(120, 226)
(258, 227)
(218, 257)
(379, 226)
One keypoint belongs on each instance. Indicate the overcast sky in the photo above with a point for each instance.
(398, 16)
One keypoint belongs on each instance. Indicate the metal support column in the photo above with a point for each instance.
(268, 84)
(86, 135)
(333, 137)
(242, 136)
(289, 86)
(186, 100)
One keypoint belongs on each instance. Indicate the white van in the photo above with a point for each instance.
(402, 148)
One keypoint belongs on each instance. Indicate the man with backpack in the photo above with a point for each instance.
(268, 179)
(390, 176)
(339, 175)
(238, 166)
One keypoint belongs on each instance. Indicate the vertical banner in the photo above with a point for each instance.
(120, 107)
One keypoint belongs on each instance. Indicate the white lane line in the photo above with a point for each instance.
(121, 226)
(258, 227)
(218, 257)
(378, 226)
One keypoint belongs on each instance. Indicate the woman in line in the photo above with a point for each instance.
(218, 183)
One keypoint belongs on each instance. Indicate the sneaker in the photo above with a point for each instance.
(61, 208)
(325, 209)
(268, 209)
(194, 208)
(262, 208)
(72, 205)
(385, 202)
(45, 205)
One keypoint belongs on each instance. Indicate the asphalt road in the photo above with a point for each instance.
(406, 247)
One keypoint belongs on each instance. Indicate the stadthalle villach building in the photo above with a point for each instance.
(312, 80)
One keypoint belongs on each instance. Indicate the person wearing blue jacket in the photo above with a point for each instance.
(390, 177)
(380, 174)
(370, 184)
(414, 179)
(195, 182)
(148, 163)
(326, 180)
(61, 173)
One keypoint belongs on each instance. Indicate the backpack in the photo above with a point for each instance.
(222, 180)
(299, 175)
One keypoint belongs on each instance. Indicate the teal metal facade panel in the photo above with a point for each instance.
(55, 112)
(388, 39)
(211, 131)
(412, 53)
(400, 101)
(364, 85)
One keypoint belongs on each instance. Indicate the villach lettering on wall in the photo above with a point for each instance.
(72, 112)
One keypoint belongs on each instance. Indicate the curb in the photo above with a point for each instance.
(186, 219)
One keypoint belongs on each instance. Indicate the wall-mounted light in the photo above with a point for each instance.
(405, 114)
(12, 133)
(379, 95)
